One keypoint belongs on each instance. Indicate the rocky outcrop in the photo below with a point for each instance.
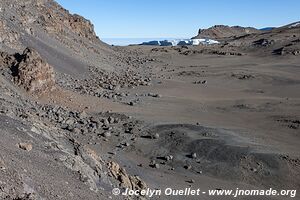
(87, 163)
(127, 181)
(263, 42)
(33, 73)
(287, 51)
(32, 16)
(63, 23)
(57, 20)
(222, 31)
(81, 26)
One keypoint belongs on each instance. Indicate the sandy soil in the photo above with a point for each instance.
(234, 124)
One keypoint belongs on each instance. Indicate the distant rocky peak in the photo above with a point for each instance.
(224, 31)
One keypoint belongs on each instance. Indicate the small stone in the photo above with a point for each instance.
(70, 128)
(106, 128)
(25, 146)
(105, 121)
(129, 130)
(253, 169)
(107, 134)
(194, 155)
(111, 120)
(188, 167)
(127, 144)
(83, 115)
(152, 162)
(116, 121)
(191, 181)
(69, 121)
(156, 166)
(168, 157)
(156, 136)
(117, 88)
(84, 131)
(110, 87)
(77, 130)
(60, 119)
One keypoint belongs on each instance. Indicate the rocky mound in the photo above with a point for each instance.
(33, 73)
(222, 31)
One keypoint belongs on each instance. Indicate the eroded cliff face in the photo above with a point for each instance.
(32, 16)
(58, 20)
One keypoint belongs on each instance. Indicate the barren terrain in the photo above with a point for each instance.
(79, 117)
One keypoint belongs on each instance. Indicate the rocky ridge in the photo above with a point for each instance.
(222, 32)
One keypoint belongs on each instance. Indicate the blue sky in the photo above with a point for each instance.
(179, 18)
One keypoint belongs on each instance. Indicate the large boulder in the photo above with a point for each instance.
(33, 73)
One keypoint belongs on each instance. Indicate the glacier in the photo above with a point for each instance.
(181, 42)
